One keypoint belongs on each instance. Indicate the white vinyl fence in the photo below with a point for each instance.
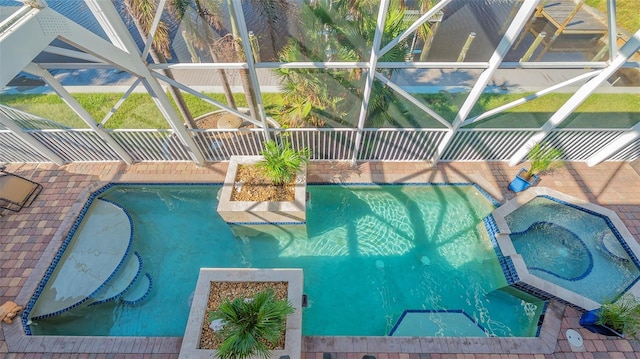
(384, 144)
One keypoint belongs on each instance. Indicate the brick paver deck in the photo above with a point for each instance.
(25, 236)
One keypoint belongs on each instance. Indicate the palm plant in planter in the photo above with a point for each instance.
(619, 318)
(271, 177)
(251, 326)
(543, 158)
(268, 188)
(281, 163)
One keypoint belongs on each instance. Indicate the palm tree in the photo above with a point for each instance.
(209, 11)
(339, 31)
(251, 325)
(275, 12)
(200, 35)
(247, 84)
(143, 12)
(427, 30)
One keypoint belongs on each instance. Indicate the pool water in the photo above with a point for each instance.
(571, 248)
(368, 254)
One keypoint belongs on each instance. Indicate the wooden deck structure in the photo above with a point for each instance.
(568, 19)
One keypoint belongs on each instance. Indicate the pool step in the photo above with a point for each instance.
(436, 322)
(121, 282)
(139, 292)
(98, 250)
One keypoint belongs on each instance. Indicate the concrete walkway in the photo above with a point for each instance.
(25, 238)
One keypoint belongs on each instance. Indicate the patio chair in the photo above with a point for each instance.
(17, 192)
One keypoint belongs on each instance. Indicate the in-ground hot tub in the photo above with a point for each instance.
(557, 246)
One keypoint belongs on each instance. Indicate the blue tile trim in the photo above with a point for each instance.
(264, 223)
(541, 319)
(492, 229)
(413, 184)
(56, 259)
(576, 237)
(613, 229)
(65, 243)
(61, 251)
(607, 220)
(142, 184)
(144, 296)
(395, 327)
(128, 286)
(508, 269)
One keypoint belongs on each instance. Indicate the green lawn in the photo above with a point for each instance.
(627, 12)
(598, 111)
(139, 111)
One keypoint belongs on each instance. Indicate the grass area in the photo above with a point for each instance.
(594, 103)
(597, 111)
(627, 12)
(139, 111)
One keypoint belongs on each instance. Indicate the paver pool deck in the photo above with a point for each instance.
(25, 236)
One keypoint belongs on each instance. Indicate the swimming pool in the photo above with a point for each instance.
(573, 247)
(369, 253)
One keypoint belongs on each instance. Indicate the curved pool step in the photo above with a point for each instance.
(97, 251)
(139, 292)
(613, 248)
(121, 282)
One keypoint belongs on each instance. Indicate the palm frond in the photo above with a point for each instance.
(250, 324)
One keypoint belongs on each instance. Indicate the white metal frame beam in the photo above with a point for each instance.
(413, 100)
(578, 98)
(110, 21)
(20, 42)
(206, 98)
(120, 101)
(350, 65)
(371, 74)
(515, 28)
(413, 27)
(73, 54)
(93, 44)
(253, 76)
(78, 109)
(531, 97)
(613, 29)
(154, 26)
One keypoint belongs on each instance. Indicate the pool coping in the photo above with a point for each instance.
(18, 341)
(528, 282)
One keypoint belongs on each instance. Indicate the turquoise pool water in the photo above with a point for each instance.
(368, 254)
(573, 249)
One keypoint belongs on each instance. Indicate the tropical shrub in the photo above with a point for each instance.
(623, 315)
(281, 162)
(543, 158)
(339, 32)
(251, 325)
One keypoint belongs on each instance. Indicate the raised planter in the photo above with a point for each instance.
(519, 183)
(190, 348)
(247, 212)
